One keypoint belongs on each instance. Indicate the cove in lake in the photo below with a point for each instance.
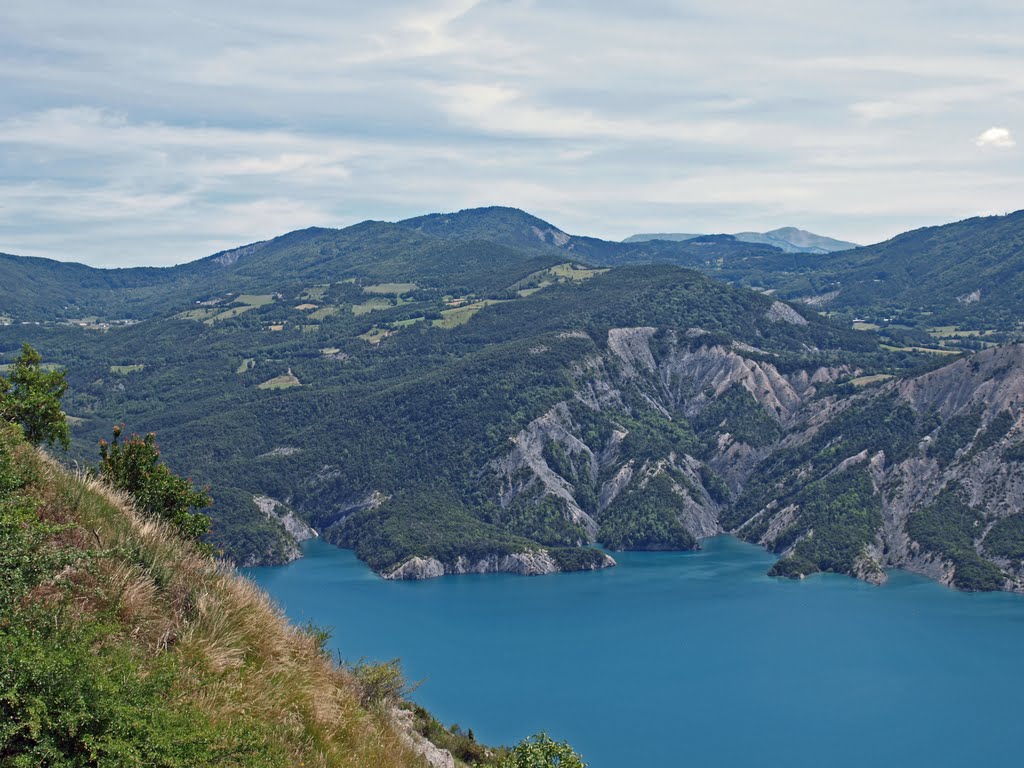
(690, 659)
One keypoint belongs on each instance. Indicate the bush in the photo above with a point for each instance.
(134, 466)
(31, 397)
(541, 751)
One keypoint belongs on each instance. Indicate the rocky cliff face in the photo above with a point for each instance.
(939, 490)
(856, 483)
(630, 429)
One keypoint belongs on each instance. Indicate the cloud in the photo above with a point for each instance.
(1001, 138)
(147, 134)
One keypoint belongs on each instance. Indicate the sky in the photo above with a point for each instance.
(157, 133)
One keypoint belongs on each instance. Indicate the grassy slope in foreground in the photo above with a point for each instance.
(120, 644)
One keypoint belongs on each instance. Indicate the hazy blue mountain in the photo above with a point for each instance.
(789, 239)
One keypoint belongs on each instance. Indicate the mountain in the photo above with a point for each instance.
(124, 645)
(457, 393)
(968, 274)
(518, 229)
(788, 239)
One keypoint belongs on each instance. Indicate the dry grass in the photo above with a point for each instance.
(239, 656)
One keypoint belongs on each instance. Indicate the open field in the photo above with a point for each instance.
(865, 381)
(254, 300)
(570, 271)
(246, 365)
(315, 293)
(865, 327)
(229, 313)
(390, 289)
(920, 349)
(324, 312)
(452, 318)
(369, 306)
(124, 370)
(284, 381)
(375, 335)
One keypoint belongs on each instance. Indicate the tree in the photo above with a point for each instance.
(540, 751)
(134, 466)
(30, 397)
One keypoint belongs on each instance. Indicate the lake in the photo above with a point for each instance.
(689, 659)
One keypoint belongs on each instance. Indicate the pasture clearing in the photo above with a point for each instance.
(375, 335)
(861, 326)
(452, 318)
(371, 305)
(255, 299)
(866, 381)
(227, 314)
(284, 381)
(407, 323)
(324, 312)
(246, 365)
(315, 293)
(390, 289)
(306, 307)
(891, 348)
(197, 314)
(124, 370)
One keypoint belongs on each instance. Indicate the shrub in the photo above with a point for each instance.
(134, 466)
(30, 397)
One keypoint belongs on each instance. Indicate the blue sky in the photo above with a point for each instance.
(157, 133)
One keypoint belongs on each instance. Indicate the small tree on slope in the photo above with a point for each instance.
(30, 397)
(134, 466)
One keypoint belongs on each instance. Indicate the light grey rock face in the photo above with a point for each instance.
(295, 526)
(531, 563)
(434, 756)
(680, 381)
(779, 312)
(417, 568)
(985, 386)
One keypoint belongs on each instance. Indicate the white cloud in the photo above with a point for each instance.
(1000, 138)
(142, 134)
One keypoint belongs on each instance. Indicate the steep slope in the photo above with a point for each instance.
(921, 473)
(970, 273)
(374, 417)
(122, 645)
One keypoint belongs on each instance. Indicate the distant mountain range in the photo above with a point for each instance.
(789, 239)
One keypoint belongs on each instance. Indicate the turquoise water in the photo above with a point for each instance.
(690, 659)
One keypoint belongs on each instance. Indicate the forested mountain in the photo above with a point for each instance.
(788, 239)
(479, 391)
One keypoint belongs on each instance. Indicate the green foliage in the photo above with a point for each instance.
(949, 527)
(1006, 538)
(577, 558)
(842, 514)
(134, 466)
(462, 745)
(382, 684)
(541, 751)
(737, 413)
(73, 691)
(956, 433)
(31, 397)
(646, 517)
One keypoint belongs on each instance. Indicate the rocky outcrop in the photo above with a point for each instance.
(435, 756)
(529, 563)
(297, 528)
